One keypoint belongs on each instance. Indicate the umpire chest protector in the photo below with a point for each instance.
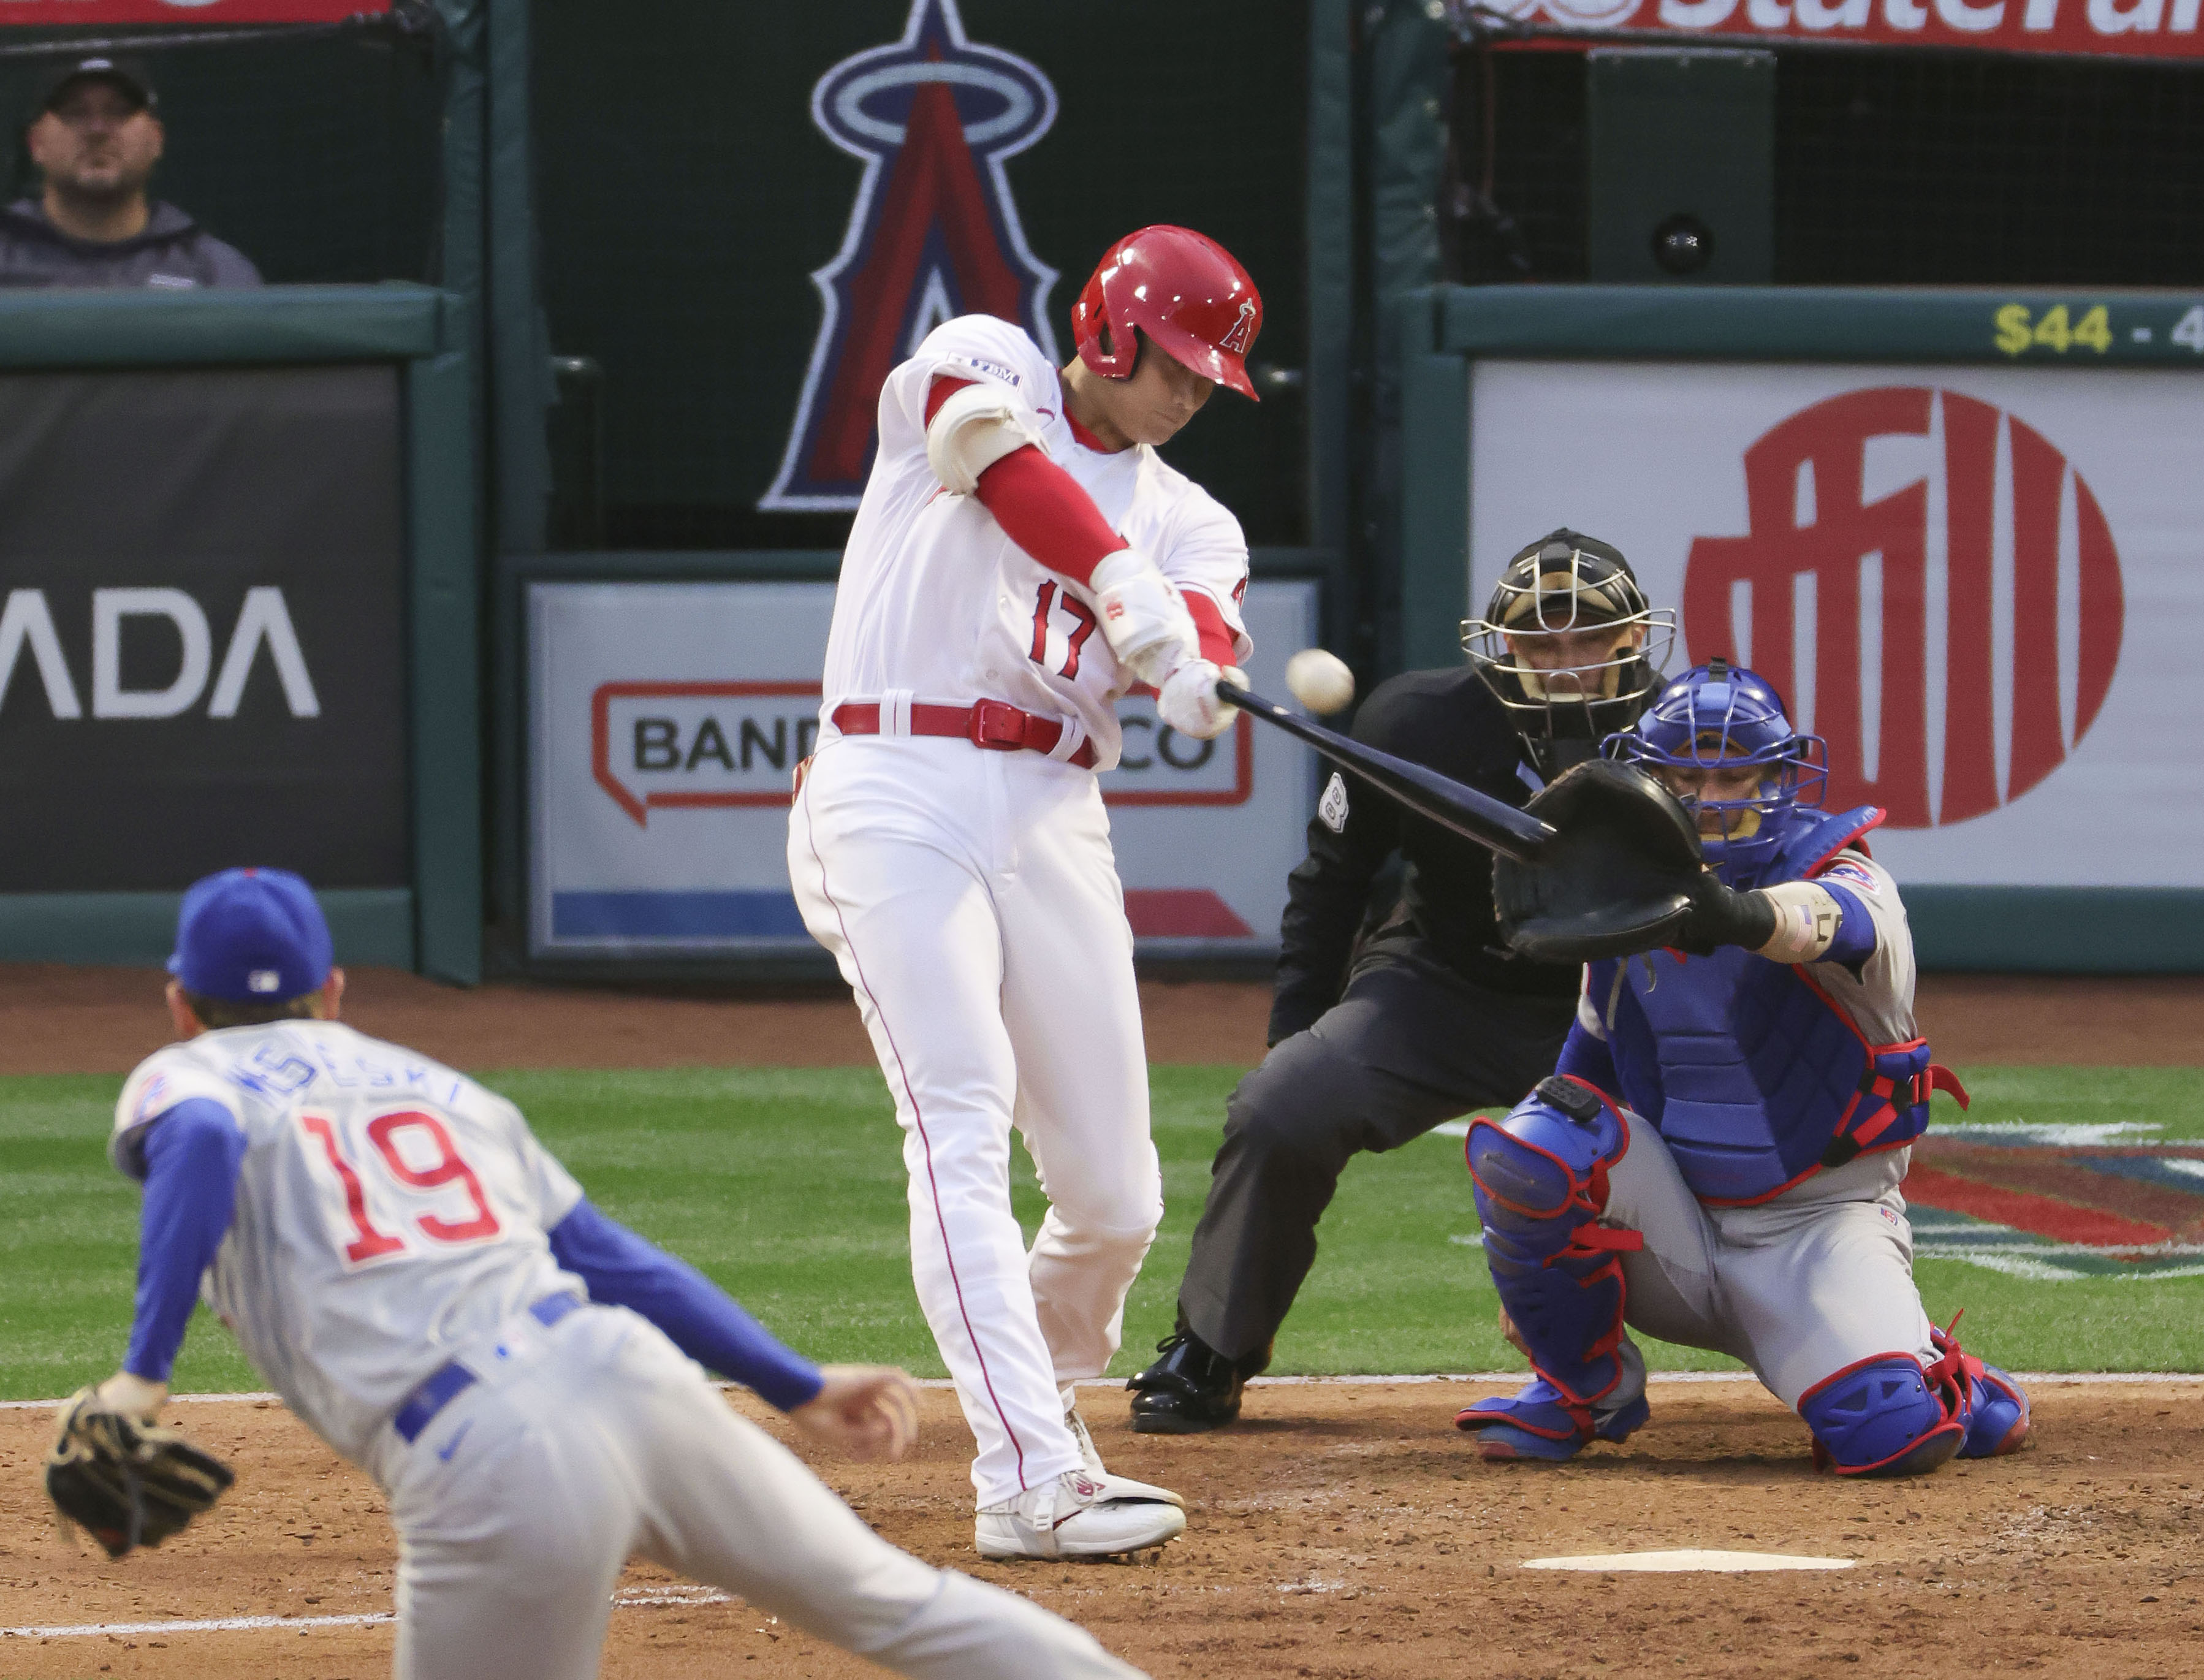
(1754, 1078)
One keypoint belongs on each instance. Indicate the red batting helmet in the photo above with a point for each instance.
(1183, 290)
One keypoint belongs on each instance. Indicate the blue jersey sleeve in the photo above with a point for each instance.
(1854, 940)
(1588, 1058)
(193, 1153)
(701, 1319)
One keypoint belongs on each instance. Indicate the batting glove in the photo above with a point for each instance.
(1143, 617)
(1187, 701)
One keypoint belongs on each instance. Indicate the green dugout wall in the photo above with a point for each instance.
(1980, 505)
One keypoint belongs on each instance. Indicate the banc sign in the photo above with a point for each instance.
(1981, 586)
(667, 721)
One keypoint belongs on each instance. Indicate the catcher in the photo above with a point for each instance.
(1717, 1161)
(435, 1296)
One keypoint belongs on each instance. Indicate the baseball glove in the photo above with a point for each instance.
(127, 1480)
(1617, 877)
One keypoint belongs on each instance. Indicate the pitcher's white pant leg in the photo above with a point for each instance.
(509, 1550)
(1073, 1012)
(725, 1504)
(890, 854)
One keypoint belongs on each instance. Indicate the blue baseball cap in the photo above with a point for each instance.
(251, 936)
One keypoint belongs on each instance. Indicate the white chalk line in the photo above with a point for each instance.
(1366, 1382)
(655, 1595)
(220, 1624)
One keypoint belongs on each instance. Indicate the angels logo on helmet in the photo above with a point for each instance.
(1569, 645)
(1179, 288)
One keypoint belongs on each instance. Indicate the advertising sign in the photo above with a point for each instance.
(667, 721)
(1982, 587)
(49, 13)
(933, 231)
(2125, 28)
(202, 628)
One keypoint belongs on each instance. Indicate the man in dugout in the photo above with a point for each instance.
(95, 135)
(1380, 1032)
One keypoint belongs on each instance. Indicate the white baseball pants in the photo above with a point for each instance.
(517, 1505)
(972, 902)
(1798, 1288)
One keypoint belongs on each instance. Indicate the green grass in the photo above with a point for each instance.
(787, 1187)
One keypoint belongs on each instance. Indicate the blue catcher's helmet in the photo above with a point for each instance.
(1717, 716)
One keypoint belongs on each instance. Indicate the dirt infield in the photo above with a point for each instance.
(1343, 1531)
(58, 1019)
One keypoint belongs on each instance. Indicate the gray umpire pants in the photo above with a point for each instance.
(1409, 1044)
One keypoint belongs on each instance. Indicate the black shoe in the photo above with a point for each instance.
(1191, 1389)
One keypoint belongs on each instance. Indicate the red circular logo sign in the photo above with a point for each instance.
(2032, 602)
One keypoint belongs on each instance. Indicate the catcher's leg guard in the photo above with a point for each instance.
(1541, 1177)
(1998, 1410)
(1536, 1423)
(1888, 1416)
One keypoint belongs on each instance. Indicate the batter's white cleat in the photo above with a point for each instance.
(1079, 1515)
(1089, 1454)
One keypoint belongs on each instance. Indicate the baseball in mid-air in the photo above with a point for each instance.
(1320, 681)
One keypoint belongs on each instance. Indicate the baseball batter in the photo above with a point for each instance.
(1717, 1162)
(1021, 558)
(432, 1293)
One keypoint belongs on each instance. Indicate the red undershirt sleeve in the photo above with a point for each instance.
(1040, 506)
(1217, 637)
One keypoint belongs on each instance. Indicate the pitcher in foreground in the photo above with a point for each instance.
(431, 1292)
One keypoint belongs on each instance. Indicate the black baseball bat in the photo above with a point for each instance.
(1475, 816)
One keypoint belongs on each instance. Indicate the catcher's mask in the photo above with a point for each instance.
(1718, 716)
(1566, 584)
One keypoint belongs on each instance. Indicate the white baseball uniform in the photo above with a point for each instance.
(392, 1220)
(972, 902)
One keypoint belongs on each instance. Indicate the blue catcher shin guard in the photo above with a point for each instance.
(1541, 1177)
(1889, 1416)
(1997, 1423)
(1536, 1423)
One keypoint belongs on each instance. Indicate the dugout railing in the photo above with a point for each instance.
(1634, 412)
(238, 548)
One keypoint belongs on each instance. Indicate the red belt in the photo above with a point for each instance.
(994, 725)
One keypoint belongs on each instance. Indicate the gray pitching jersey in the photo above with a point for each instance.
(390, 1211)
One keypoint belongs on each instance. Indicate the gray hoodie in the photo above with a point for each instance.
(174, 253)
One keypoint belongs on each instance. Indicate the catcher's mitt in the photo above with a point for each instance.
(1616, 878)
(127, 1481)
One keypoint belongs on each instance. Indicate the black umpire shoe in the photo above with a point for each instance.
(1192, 1388)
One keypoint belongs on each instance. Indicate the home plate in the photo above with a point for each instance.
(1726, 1563)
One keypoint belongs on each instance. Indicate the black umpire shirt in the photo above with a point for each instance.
(1450, 721)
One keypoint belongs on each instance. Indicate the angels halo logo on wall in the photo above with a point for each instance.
(1886, 524)
(934, 233)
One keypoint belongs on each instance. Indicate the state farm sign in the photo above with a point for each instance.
(2128, 28)
(1981, 586)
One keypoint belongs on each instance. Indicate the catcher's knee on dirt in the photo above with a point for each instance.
(1886, 1417)
(1541, 1185)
